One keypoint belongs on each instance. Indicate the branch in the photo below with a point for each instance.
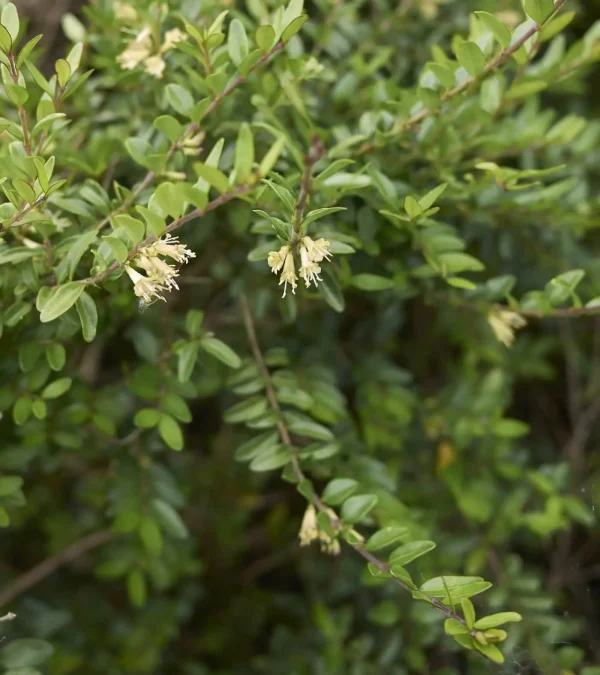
(50, 565)
(560, 313)
(299, 474)
(314, 154)
(190, 131)
(491, 65)
(196, 213)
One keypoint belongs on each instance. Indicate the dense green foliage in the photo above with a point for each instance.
(419, 181)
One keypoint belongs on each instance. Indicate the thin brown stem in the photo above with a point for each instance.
(314, 154)
(299, 474)
(50, 565)
(192, 215)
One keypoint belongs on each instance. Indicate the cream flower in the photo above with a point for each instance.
(143, 287)
(310, 531)
(277, 258)
(309, 270)
(288, 276)
(171, 247)
(172, 37)
(504, 323)
(317, 250)
(155, 66)
(124, 12)
(137, 51)
(159, 271)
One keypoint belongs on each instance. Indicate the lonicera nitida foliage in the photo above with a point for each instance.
(258, 247)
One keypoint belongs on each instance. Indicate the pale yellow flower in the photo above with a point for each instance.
(137, 50)
(143, 287)
(171, 247)
(155, 66)
(310, 531)
(277, 258)
(317, 250)
(159, 271)
(504, 323)
(172, 37)
(288, 276)
(309, 270)
(125, 12)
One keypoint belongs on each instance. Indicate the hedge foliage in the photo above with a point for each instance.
(277, 276)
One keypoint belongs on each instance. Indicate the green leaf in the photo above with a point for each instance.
(409, 552)
(412, 208)
(237, 42)
(457, 587)
(265, 37)
(61, 300)
(294, 27)
(221, 351)
(21, 410)
(267, 461)
(371, 282)
(555, 26)
(302, 425)
(139, 149)
(385, 537)
(46, 123)
(454, 627)
(10, 20)
(151, 536)
(9, 484)
(170, 432)
(256, 446)
(271, 157)
(56, 356)
(244, 153)
(155, 223)
(180, 99)
(5, 40)
(212, 176)
(63, 72)
(25, 653)
(338, 490)
(27, 49)
(118, 248)
(175, 405)
(499, 619)
(470, 57)
(147, 418)
(73, 28)
(187, 356)
(431, 197)
(490, 651)
(135, 228)
(169, 519)
(331, 291)
(17, 94)
(460, 262)
(246, 410)
(498, 29)
(358, 507)
(169, 126)
(57, 388)
(88, 316)
(24, 190)
(538, 10)
(468, 611)
(509, 428)
(39, 409)
(136, 588)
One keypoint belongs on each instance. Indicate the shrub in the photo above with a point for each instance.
(262, 272)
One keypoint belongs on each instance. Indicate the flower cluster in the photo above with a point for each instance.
(310, 531)
(160, 275)
(142, 50)
(504, 323)
(311, 254)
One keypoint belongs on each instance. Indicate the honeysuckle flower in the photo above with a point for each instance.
(124, 12)
(158, 270)
(277, 258)
(143, 287)
(317, 250)
(310, 531)
(137, 50)
(288, 276)
(171, 247)
(309, 270)
(155, 66)
(504, 323)
(172, 37)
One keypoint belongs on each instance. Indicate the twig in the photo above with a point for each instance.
(299, 474)
(491, 65)
(50, 565)
(314, 154)
(190, 131)
(197, 213)
(19, 216)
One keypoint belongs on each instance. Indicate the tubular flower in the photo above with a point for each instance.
(159, 271)
(309, 270)
(143, 287)
(317, 250)
(310, 531)
(171, 247)
(172, 37)
(124, 12)
(288, 276)
(277, 258)
(155, 66)
(504, 323)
